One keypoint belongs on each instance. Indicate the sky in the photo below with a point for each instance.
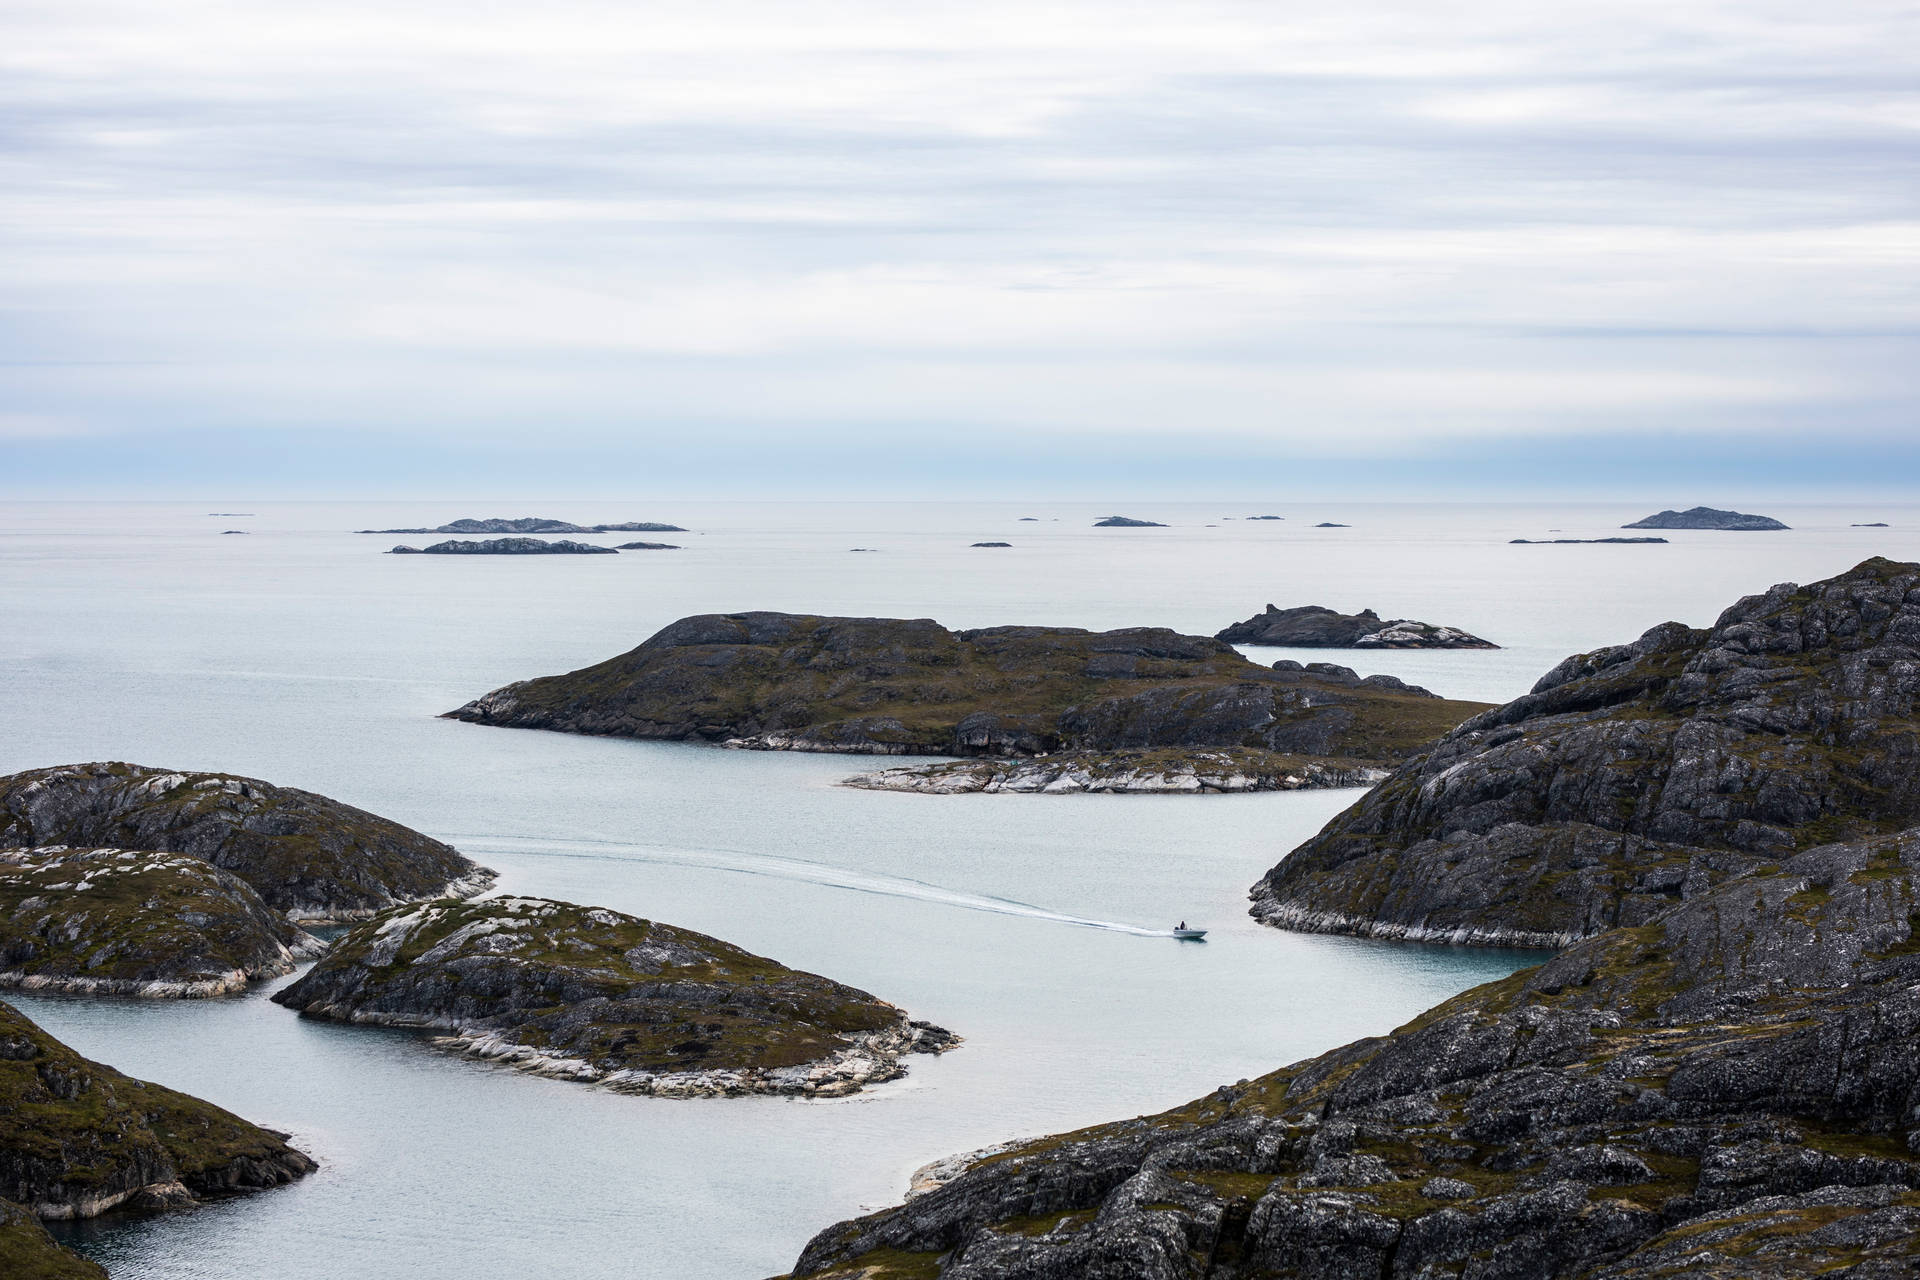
(841, 249)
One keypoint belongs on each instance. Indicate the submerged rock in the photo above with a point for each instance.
(1705, 518)
(506, 547)
(1636, 776)
(583, 993)
(78, 1138)
(1127, 522)
(1726, 1091)
(1145, 772)
(780, 681)
(136, 922)
(305, 855)
(535, 524)
(1313, 626)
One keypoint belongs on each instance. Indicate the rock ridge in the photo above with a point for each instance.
(1314, 626)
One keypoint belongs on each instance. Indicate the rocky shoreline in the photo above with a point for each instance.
(1124, 772)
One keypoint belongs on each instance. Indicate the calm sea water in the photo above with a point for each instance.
(300, 654)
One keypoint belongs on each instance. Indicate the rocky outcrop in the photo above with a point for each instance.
(1313, 626)
(1705, 518)
(911, 687)
(1563, 542)
(137, 922)
(648, 546)
(534, 524)
(78, 1138)
(305, 855)
(506, 547)
(1727, 1090)
(1636, 776)
(27, 1252)
(583, 993)
(1127, 522)
(1190, 772)
(992, 544)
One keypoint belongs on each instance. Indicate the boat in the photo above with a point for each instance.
(1190, 935)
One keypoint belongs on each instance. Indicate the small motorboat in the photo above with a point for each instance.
(1189, 935)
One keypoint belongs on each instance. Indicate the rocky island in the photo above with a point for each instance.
(648, 546)
(1705, 518)
(993, 544)
(127, 922)
(1724, 1090)
(534, 524)
(583, 993)
(1636, 776)
(1564, 542)
(911, 687)
(78, 1138)
(308, 857)
(506, 547)
(1127, 522)
(1313, 626)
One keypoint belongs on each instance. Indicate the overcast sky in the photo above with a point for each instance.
(819, 249)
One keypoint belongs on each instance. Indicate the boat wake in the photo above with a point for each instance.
(784, 868)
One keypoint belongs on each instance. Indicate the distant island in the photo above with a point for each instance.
(646, 546)
(1313, 626)
(1872, 524)
(1563, 542)
(993, 544)
(534, 524)
(1127, 522)
(1328, 524)
(506, 547)
(1262, 517)
(1706, 518)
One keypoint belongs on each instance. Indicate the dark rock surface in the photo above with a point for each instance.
(588, 994)
(137, 922)
(27, 1252)
(1127, 522)
(912, 687)
(506, 547)
(1315, 627)
(1731, 1089)
(648, 546)
(1636, 776)
(78, 1138)
(534, 524)
(305, 855)
(1561, 542)
(1705, 518)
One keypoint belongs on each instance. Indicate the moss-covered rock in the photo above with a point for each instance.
(1728, 1090)
(27, 1252)
(910, 686)
(588, 994)
(78, 1138)
(305, 855)
(137, 922)
(1637, 776)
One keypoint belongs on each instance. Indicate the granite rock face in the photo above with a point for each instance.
(1224, 770)
(1637, 776)
(912, 687)
(535, 524)
(136, 922)
(78, 1138)
(506, 547)
(305, 855)
(583, 993)
(1315, 627)
(1731, 1089)
(1706, 518)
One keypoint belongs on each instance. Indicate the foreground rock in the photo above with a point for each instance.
(307, 856)
(534, 524)
(1127, 522)
(139, 923)
(78, 1138)
(1636, 776)
(1705, 518)
(1315, 627)
(506, 547)
(1727, 1091)
(583, 993)
(1140, 772)
(912, 687)
(27, 1252)
(1562, 542)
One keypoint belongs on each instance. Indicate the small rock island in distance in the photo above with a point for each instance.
(536, 524)
(1313, 626)
(1565, 542)
(506, 547)
(1127, 522)
(1706, 518)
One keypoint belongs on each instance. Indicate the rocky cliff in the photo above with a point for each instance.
(1637, 776)
(1313, 626)
(305, 855)
(78, 1138)
(1727, 1090)
(126, 922)
(892, 686)
(583, 993)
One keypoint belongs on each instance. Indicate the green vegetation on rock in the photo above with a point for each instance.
(27, 1252)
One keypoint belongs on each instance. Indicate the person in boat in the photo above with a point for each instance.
(1181, 925)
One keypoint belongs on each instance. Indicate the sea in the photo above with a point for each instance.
(1036, 927)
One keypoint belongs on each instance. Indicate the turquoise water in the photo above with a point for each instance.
(301, 655)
